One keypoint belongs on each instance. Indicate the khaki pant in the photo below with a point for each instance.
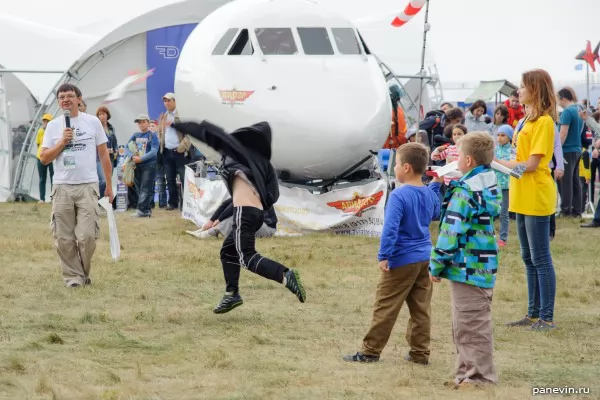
(75, 227)
(408, 283)
(472, 333)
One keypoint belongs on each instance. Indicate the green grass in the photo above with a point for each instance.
(145, 329)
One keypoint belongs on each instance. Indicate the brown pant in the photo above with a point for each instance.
(472, 333)
(75, 227)
(408, 283)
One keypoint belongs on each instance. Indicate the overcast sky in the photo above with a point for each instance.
(470, 40)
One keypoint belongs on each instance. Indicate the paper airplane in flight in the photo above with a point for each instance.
(119, 91)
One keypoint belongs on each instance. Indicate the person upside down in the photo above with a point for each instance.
(252, 183)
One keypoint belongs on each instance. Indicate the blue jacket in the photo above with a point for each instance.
(146, 145)
(408, 213)
(466, 249)
(503, 152)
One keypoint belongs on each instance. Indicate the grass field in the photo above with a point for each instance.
(145, 329)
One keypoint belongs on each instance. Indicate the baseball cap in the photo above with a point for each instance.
(47, 117)
(170, 96)
(142, 117)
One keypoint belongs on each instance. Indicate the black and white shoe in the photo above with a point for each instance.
(228, 303)
(294, 284)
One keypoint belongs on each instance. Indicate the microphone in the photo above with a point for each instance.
(67, 114)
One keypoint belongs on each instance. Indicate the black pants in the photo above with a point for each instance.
(570, 186)
(595, 170)
(174, 163)
(43, 173)
(239, 250)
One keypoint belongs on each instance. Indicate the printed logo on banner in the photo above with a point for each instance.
(235, 97)
(357, 205)
(168, 51)
(195, 191)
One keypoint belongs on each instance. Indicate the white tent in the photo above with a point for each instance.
(103, 66)
(24, 47)
(29, 46)
(17, 109)
(128, 48)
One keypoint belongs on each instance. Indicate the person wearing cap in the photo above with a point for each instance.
(174, 148)
(43, 169)
(504, 151)
(142, 147)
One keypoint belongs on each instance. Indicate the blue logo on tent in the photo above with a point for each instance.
(163, 47)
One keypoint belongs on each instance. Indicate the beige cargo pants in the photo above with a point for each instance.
(473, 335)
(75, 227)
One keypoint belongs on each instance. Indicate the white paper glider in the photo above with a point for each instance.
(451, 170)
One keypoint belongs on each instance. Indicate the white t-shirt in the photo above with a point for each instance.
(76, 164)
(171, 139)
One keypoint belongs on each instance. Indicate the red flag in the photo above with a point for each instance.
(589, 56)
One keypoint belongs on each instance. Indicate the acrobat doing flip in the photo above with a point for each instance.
(252, 183)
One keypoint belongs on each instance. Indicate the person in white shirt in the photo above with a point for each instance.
(174, 149)
(75, 222)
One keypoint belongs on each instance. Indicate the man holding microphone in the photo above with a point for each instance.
(71, 142)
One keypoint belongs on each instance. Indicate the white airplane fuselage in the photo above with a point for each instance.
(326, 111)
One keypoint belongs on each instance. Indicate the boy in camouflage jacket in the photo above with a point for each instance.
(466, 254)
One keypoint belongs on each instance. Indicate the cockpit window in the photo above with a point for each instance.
(243, 45)
(315, 41)
(223, 44)
(346, 40)
(276, 41)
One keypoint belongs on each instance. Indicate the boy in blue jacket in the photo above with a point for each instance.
(404, 260)
(142, 147)
(466, 254)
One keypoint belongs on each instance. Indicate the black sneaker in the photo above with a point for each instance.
(294, 284)
(228, 303)
(359, 357)
(88, 282)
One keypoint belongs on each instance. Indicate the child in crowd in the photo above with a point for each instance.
(466, 254)
(449, 152)
(252, 183)
(504, 152)
(500, 119)
(404, 260)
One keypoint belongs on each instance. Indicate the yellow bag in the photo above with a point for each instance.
(128, 173)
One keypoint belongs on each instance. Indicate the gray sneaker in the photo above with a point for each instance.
(543, 326)
(526, 321)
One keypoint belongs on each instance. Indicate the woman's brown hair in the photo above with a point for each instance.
(103, 109)
(502, 109)
(541, 92)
